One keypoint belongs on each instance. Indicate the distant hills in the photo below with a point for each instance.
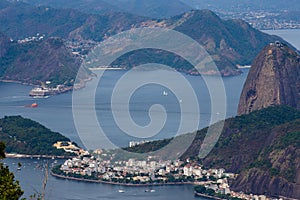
(90, 6)
(167, 8)
(229, 42)
(24, 136)
(19, 20)
(249, 5)
(263, 147)
(153, 8)
(39, 61)
(146, 8)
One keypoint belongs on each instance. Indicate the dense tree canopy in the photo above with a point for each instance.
(9, 188)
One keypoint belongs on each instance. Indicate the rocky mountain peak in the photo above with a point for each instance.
(274, 79)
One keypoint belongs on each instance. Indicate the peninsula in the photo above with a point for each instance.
(27, 138)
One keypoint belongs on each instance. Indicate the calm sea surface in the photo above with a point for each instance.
(290, 35)
(56, 113)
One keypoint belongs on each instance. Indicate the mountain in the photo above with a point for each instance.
(153, 8)
(20, 20)
(229, 42)
(263, 147)
(25, 136)
(272, 80)
(276, 170)
(39, 61)
(86, 6)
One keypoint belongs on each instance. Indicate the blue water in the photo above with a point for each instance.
(290, 35)
(56, 113)
(31, 178)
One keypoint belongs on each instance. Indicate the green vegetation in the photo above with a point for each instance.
(9, 187)
(262, 145)
(226, 41)
(39, 61)
(25, 136)
(242, 136)
(200, 189)
(273, 159)
(149, 147)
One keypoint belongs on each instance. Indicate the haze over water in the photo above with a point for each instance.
(56, 113)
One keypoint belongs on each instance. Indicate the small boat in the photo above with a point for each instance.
(121, 191)
(19, 168)
(165, 93)
(148, 190)
(34, 105)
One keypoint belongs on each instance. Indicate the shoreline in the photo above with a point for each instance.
(16, 155)
(78, 86)
(207, 196)
(18, 82)
(115, 183)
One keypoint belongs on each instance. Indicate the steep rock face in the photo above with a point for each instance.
(276, 171)
(274, 79)
(260, 182)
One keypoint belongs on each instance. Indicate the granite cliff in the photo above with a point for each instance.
(274, 79)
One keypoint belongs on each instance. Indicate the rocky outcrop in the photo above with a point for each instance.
(256, 181)
(274, 79)
(275, 173)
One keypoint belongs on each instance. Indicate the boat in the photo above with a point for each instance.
(19, 168)
(148, 190)
(121, 191)
(40, 92)
(34, 105)
(165, 93)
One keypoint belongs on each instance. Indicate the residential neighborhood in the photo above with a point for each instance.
(100, 166)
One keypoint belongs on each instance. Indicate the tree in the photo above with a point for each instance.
(200, 189)
(9, 188)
